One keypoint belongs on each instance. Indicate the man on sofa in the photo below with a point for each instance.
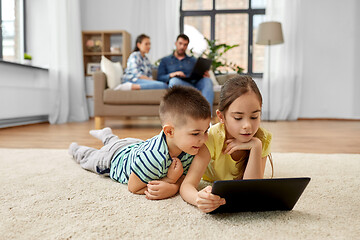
(178, 65)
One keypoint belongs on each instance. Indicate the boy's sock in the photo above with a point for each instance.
(101, 134)
(85, 156)
(72, 148)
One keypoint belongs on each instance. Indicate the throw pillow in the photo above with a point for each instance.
(112, 70)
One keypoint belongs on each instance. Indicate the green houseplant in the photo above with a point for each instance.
(215, 52)
(27, 58)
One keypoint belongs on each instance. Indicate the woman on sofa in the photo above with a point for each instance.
(138, 74)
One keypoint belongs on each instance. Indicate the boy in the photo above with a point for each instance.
(185, 118)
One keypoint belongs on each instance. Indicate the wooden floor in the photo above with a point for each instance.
(306, 136)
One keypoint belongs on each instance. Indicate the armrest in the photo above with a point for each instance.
(99, 87)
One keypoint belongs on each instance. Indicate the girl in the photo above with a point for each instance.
(138, 74)
(237, 147)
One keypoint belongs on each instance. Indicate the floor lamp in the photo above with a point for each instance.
(269, 33)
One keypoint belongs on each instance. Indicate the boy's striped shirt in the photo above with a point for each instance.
(149, 160)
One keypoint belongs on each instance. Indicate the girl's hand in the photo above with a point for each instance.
(145, 77)
(235, 145)
(207, 202)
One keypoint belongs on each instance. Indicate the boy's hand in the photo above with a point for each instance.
(157, 190)
(160, 189)
(235, 145)
(207, 202)
(175, 170)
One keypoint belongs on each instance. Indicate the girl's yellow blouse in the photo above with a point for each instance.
(222, 166)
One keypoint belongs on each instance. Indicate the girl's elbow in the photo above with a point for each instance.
(183, 188)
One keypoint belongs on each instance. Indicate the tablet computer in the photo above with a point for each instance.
(201, 66)
(259, 194)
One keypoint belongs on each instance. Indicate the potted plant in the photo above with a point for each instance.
(215, 52)
(27, 58)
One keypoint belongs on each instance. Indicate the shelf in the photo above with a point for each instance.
(103, 43)
(112, 54)
(102, 53)
(93, 53)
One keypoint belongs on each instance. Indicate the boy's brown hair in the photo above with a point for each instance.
(181, 102)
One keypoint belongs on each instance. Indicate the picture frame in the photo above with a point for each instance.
(91, 68)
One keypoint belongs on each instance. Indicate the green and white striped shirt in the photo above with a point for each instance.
(149, 160)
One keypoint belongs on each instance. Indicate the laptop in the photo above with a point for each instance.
(255, 195)
(201, 66)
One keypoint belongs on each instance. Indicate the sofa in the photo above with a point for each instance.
(136, 103)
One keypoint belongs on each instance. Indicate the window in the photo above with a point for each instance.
(231, 22)
(12, 30)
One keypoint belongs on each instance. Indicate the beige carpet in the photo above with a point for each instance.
(46, 195)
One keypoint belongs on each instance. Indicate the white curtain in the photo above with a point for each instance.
(286, 62)
(68, 100)
(160, 20)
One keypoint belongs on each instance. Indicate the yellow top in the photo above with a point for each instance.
(222, 166)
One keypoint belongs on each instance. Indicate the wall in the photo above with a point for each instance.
(23, 92)
(331, 52)
(151, 17)
(331, 59)
(356, 75)
(37, 32)
(331, 83)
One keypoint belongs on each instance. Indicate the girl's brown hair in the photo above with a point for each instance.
(234, 88)
(230, 91)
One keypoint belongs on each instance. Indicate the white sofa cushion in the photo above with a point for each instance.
(112, 70)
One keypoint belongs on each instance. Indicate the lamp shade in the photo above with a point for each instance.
(269, 33)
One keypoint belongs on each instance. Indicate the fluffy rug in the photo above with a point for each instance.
(46, 195)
